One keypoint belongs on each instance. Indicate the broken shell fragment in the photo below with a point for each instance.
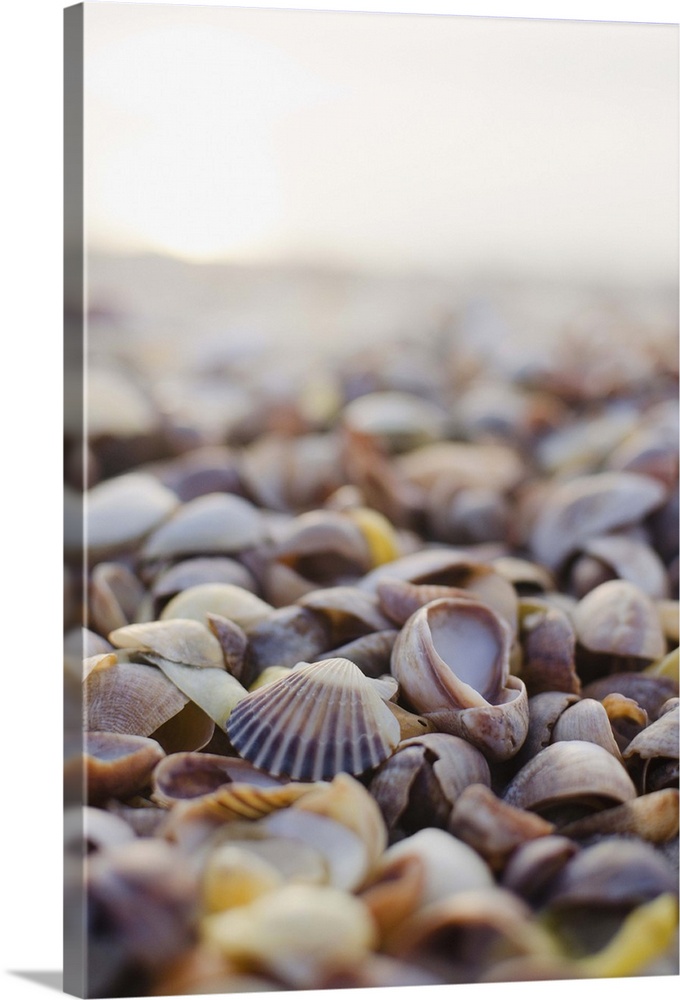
(452, 653)
(323, 718)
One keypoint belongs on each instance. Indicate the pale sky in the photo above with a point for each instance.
(383, 140)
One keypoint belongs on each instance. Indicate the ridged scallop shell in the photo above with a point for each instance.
(321, 719)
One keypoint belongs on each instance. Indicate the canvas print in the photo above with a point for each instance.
(371, 500)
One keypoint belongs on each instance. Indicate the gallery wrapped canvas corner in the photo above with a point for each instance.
(371, 501)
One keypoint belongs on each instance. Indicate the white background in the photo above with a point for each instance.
(31, 174)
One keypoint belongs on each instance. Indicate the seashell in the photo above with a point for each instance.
(189, 775)
(669, 616)
(295, 860)
(646, 935)
(652, 817)
(533, 867)
(234, 643)
(569, 775)
(648, 691)
(199, 570)
(463, 932)
(87, 829)
(347, 611)
(322, 718)
(449, 865)
(499, 730)
(201, 969)
(401, 599)
(616, 871)
(394, 891)
(371, 653)
(121, 512)
(181, 640)
(347, 855)
(293, 473)
(618, 619)
(667, 666)
(213, 524)
(410, 724)
(202, 470)
(492, 827)
(447, 567)
(659, 739)
(586, 720)
(380, 536)
(235, 603)
(99, 662)
(589, 506)
(467, 515)
(451, 653)
(576, 448)
(287, 636)
(620, 557)
(398, 420)
(548, 646)
(463, 464)
(118, 765)
(528, 578)
(268, 675)
(130, 698)
(297, 934)
(234, 876)
(190, 729)
(213, 690)
(346, 801)
(115, 594)
(144, 899)
(626, 718)
(194, 823)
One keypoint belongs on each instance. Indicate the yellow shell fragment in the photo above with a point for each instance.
(268, 675)
(380, 536)
(667, 666)
(235, 876)
(644, 936)
(297, 932)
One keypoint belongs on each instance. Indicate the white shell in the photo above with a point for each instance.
(319, 720)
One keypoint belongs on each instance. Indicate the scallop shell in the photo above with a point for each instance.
(321, 719)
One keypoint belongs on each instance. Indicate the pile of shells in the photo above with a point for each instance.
(386, 695)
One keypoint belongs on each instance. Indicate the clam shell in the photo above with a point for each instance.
(123, 510)
(214, 524)
(449, 865)
(236, 603)
(181, 776)
(130, 698)
(181, 640)
(660, 739)
(652, 817)
(321, 719)
(586, 720)
(297, 933)
(118, 765)
(572, 771)
(618, 618)
(589, 506)
(214, 690)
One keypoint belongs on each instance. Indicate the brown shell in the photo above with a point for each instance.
(118, 765)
